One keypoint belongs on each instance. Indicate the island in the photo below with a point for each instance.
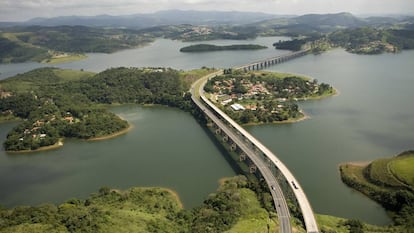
(264, 97)
(388, 181)
(210, 47)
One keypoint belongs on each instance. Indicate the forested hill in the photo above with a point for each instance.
(64, 103)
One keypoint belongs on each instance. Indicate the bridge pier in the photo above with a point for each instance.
(218, 131)
(252, 168)
(233, 146)
(242, 157)
(225, 138)
(255, 158)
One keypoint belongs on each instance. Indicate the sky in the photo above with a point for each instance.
(20, 10)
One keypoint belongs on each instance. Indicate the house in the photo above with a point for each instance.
(237, 107)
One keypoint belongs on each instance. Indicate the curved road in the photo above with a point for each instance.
(277, 194)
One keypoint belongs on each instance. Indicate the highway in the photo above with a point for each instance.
(280, 203)
(277, 194)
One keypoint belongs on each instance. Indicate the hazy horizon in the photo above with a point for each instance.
(11, 10)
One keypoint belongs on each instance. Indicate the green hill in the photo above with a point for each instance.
(233, 208)
(389, 182)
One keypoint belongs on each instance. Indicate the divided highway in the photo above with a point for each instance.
(239, 136)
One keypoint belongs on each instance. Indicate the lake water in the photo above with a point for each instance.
(166, 147)
(372, 117)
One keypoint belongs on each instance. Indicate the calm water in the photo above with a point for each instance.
(373, 117)
(162, 53)
(152, 154)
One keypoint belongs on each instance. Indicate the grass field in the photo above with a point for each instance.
(402, 168)
(22, 84)
(379, 173)
(395, 172)
(254, 218)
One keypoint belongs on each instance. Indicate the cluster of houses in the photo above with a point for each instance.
(227, 86)
(35, 131)
(199, 30)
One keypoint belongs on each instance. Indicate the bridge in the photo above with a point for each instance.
(279, 179)
(258, 65)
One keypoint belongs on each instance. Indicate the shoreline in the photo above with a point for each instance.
(289, 121)
(59, 144)
(175, 195)
(169, 190)
(114, 135)
(357, 163)
(44, 148)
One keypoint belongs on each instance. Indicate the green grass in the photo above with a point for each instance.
(379, 173)
(277, 74)
(253, 218)
(70, 75)
(403, 169)
(39, 77)
(330, 223)
(191, 76)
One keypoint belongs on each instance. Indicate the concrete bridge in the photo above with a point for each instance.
(280, 180)
(259, 65)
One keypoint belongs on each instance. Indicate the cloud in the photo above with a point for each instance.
(25, 9)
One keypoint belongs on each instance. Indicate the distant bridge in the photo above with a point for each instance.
(259, 65)
(279, 179)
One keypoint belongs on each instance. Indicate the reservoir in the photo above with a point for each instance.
(372, 117)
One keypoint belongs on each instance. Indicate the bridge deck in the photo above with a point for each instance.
(278, 198)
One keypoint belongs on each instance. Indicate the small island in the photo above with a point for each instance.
(388, 181)
(210, 48)
(264, 97)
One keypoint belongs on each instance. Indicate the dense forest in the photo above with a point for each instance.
(234, 205)
(64, 104)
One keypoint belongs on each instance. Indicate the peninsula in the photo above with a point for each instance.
(388, 181)
(56, 104)
(264, 97)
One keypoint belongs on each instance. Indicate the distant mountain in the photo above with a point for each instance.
(170, 17)
(323, 23)
(345, 20)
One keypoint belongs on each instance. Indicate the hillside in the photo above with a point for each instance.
(68, 104)
(388, 181)
(139, 21)
(232, 208)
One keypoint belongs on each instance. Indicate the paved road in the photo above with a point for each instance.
(277, 194)
(278, 197)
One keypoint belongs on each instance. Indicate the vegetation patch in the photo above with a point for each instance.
(402, 168)
(59, 103)
(380, 184)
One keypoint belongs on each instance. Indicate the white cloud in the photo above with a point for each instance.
(25, 9)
